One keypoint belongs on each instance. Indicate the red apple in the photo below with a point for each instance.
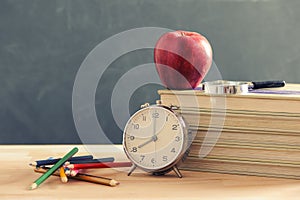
(182, 59)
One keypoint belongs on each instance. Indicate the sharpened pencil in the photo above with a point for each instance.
(84, 177)
(42, 178)
(39, 163)
(99, 165)
(63, 176)
(98, 160)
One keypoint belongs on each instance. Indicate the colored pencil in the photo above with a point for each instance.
(63, 176)
(99, 165)
(39, 163)
(98, 160)
(73, 172)
(41, 179)
(84, 177)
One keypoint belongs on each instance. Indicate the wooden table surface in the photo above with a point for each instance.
(16, 176)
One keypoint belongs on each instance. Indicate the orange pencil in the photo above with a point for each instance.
(99, 165)
(84, 177)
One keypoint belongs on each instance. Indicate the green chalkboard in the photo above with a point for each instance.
(43, 44)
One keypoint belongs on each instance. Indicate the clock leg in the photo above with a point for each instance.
(131, 170)
(176, 170)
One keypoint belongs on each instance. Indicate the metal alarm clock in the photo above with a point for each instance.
(155, 139)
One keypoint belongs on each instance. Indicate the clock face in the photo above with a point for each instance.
(154, 138)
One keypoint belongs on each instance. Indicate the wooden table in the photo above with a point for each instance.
(17, 175)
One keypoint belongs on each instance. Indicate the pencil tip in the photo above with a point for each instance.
(33, 186)
(33, 164)
(114, 183)
(64, 179)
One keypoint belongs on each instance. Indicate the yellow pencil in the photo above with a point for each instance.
(85, 177)
(63, 176)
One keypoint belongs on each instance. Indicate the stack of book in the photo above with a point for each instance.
(257, 133)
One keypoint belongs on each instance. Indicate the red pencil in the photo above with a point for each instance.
(99, 165)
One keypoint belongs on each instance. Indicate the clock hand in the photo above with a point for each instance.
(153, 138)
(154, 125)
(154, 135)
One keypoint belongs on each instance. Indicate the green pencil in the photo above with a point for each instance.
(42, 178)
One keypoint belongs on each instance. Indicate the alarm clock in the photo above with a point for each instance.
(155, 139)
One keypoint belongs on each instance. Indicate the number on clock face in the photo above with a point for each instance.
(153, 137)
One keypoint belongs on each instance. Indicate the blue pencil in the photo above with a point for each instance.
(98, 160)
(39, 163)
